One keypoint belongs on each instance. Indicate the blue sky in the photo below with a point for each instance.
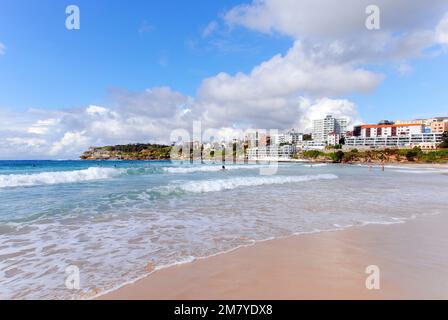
(160, 65)
(132, 45)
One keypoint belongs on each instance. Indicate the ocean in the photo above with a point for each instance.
(117, 221)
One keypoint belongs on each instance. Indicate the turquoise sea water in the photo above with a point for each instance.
(110, 219)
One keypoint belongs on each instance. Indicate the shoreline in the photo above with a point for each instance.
(292, 268)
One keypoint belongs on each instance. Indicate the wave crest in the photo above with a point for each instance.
(233, 183)
(57, 177)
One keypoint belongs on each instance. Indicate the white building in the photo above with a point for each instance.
(311, 145)
(438, 125)
(333, 139)
(275, 152)
(390, 130)
(323, 127)
(423, 140)
(291, 137)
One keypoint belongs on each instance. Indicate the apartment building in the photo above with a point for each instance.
(258, 139)
(273, 152)
(439, 125)
(333, 138)
(390, 130)
(423, 122)
(323, 127)
(290, 136)
(422, 140)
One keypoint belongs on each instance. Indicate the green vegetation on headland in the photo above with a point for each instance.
(335, 154)
(378, 156)
(137, 151)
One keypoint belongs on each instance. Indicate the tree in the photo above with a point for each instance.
(444, 144)
(337, 156)
(312, 154)
(413, 153)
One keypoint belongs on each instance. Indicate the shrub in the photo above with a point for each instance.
(312, 154)
(337, 156)
(413, 153)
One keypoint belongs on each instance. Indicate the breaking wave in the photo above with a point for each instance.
(57, 177)
(233, 183)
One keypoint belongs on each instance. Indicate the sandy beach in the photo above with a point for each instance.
(412, 258)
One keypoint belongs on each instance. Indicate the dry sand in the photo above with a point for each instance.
(412, 257)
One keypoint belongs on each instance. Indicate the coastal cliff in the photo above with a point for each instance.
(128, 152)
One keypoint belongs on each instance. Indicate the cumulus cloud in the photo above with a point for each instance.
(42, 126)
(330, 58)
(317, 109)
(442, 30)
(269, 96)
(407, 27)
(72, 141)
(22, 147)
(27, 142)
(296, 72)
(330, 18)
(146, 116)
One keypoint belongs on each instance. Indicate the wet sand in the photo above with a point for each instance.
(412, 257)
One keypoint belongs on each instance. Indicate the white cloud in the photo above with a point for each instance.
(442, 30)
(318, 109)
(408, 27)
(329, 59)
(209, 29)
(268, 97)
(146, 116)
(71, 142)
(2, 49)
(42, 127)
(96, 110)
(404, 69)
(22, 147)
(331, 18)
(296, 72)
(27, 142)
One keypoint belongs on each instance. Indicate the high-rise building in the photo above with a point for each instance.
(323, 127)
(439, 125)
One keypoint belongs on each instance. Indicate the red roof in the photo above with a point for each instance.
(367, 126)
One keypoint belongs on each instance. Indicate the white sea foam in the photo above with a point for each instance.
(422, 171)
(211, 168)
(316, 165)
(57, 177)
(233, 183)
(121, 225)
